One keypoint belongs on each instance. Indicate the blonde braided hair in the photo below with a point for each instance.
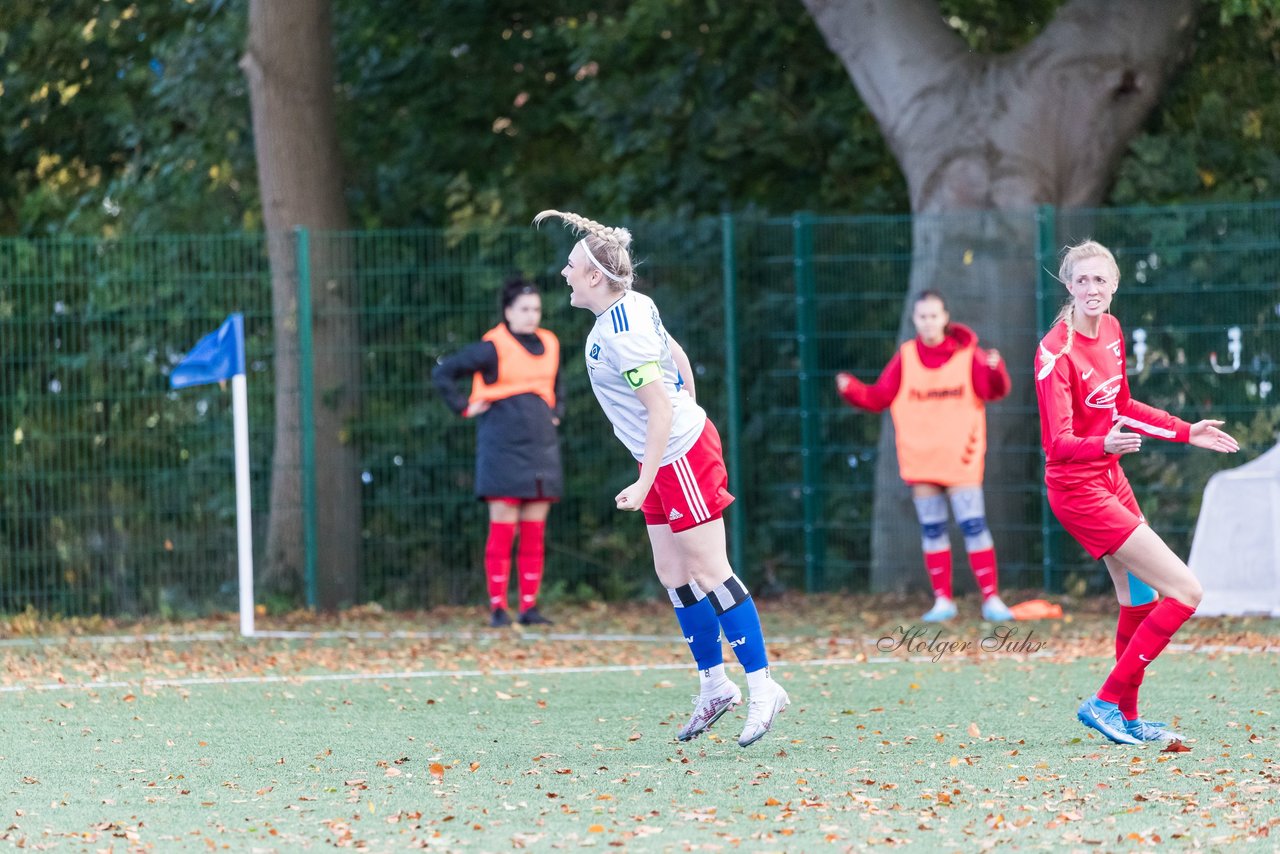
(607, 246)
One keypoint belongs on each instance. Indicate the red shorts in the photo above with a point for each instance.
(1100, 515)
(691, 490)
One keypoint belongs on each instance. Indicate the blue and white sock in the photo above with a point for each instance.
(701, 630)
(741, 624)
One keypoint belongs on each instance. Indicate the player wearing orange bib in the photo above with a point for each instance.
(517, 401)
(936, 387)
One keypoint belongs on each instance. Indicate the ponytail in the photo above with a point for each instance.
(608, 247)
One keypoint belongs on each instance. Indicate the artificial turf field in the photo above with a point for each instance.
(386, 732)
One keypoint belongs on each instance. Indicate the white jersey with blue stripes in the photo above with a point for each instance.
(627, 335)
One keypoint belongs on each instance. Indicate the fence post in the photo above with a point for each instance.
(1046, 256)
(810, 417)
(733, 385)
(306, 392)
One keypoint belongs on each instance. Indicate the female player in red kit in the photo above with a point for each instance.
(1085, 406)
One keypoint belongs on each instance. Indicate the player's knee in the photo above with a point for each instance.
(933, 530)
(1189, 593)
(975, 526)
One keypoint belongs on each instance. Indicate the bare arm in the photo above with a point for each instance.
(657, 434)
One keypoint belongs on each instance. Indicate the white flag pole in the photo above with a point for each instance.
(244, 527)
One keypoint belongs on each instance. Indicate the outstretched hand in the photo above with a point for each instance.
(1119, 442)
(844, 380)
(1205, 434)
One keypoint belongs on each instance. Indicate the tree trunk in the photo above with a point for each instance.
(1045, 124)
(289, 65)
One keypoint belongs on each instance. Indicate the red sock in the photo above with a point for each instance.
(1148, 641)
(939, 566)
(1131, 616)
(983, 564)
(529, 560)
(497, 561)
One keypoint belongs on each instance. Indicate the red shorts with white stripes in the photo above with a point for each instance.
(692, 489)
(1101, 514)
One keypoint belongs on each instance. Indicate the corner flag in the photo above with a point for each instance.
(220, 356)
(217, 356)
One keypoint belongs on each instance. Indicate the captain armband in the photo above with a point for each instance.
(641, 376)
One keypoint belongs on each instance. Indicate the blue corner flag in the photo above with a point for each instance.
(217, 356)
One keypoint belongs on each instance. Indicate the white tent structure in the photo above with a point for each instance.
(1235, 552)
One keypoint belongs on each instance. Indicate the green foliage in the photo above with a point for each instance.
(134, 118)
(117, 495)
(124, 117)
(1216, 133)
(698, 107)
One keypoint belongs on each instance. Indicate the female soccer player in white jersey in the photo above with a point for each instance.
(643, 381)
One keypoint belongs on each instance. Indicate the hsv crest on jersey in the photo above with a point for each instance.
(595, 351)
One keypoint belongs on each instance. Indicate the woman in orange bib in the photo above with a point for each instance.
(942, 377)
(517, 400)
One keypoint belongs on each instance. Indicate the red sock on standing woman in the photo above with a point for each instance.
(529, 561)
(938, 565)
(497, 561)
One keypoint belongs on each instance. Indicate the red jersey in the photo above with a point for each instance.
(1081, 395)
(989, 384)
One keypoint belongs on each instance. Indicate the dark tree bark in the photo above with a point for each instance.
(289, 65)
(1045, 124)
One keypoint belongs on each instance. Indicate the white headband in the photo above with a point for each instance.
(599, 266)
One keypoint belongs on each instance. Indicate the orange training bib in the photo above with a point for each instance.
(939, 421)
(519, 371)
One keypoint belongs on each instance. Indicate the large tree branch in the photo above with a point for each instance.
(1104, 65)
(894, 50)
(1046, 123)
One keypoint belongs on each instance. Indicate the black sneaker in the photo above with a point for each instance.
(531, 617)
(500, 618)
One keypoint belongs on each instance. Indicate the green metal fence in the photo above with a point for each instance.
(117, 494)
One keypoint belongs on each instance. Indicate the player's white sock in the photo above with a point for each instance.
(711, 678)
(758, 680)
